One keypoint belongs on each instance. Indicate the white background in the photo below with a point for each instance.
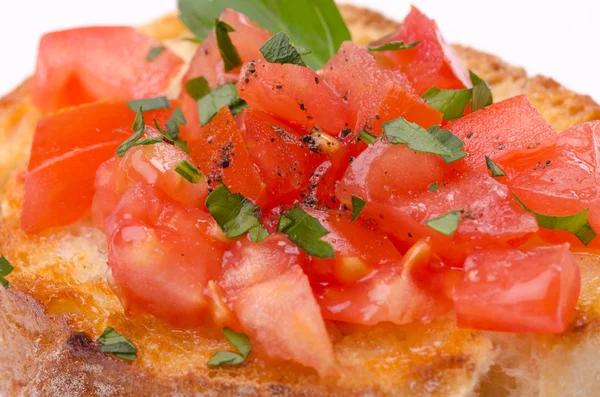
(560, 39)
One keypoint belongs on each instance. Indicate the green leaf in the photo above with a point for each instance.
(149, 104)
(210, 104)
(394, 46)
(192, 40)
(305, 231)
(258, 233)
(496, 170)
(433, 141)
(113, 342)
(445, 224)
(578, 224)
(5, 269)
(452, 103)
(278, 49)
(138, 128)
(434, 187)
(189, 171)
(314, 24)
(229, 54)
(357, 206)
(225, 358)
(482, 94)
(240, 341)
(234, 213)
(367, 137)
(154, 53)
(197, 88)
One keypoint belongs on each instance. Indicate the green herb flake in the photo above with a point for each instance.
(234, 213)
(434, 141)
(189, 171)
(452, 103)
(240, 342)
(482, 94)
(305, 231)
(434, 187)
(149, 104)
(229, 53)
(279, 49)
(258, 233)
(197, 88)
(445, 224)
(394, 46)
(171, 131)
(367, 137)
(225, 95)
(496, 170)
(357, 206)
(113, 342)
(578, 224)
(193, 40)
(315, 24)
(155, 52)
(138, 130)
(5, 269)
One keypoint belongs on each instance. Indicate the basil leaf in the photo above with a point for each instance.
(5, 269)
(315, 24)
(154, 53)
(278, 49)
(197, 88)
(229, 54)
(305, 231)
(149, 104)
(113, 342)
(225, 358)
(189, 171)
(394, 46)
(148, 141)
(367, 137)
(302, 50)
(138, 128)
(234, 213)
(482, 94)
(434, 187)
(210, 104)
(496, 170)
(578, 224)
(258, 233)
(240, 341)
(445, 224)
(357, 206)
(452, 103)
(433, 141)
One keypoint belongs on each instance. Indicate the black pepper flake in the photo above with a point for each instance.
(279, 86)
(311, 143)
(409, 235)
(302, 107)
(317, 81)
(344, 133)
(205, 51)
(501, 146)
(377, 117)
(469, 135)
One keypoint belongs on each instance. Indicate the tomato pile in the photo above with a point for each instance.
(397, 233)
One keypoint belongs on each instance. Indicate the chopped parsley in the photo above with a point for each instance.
(433, 141)
(482, 94)
(5, 269)
(394, 46)
(171, 130)
(138, 130)
(240, 342)
(452, 103)
(305, 231)
(367, 137)
(116, 344)
(434, 187)
(279, 49)
(189, 171)
(155, 52)
(578, 224)
(445, 224)
(225, 95)
(357, 206)
(229, 54)
(149, 104)
(197, 88)
(496, 170)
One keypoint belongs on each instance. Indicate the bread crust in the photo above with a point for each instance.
(59, 300)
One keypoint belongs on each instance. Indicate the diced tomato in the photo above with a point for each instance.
(275, 305)
(207, 62)
(68, 147)
(296, 95)
(512, 124)
(161, 255)
(152, 164)
(561, 179)
(222, 154)
(432, 62)
(389, 294)
(518, 291)
(356, 75)
(88, 64)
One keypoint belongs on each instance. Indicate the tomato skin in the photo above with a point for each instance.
(153, 164)
(161, 255)
(432, 62)
(356, 75)
(513, 124)
(518, 291)
(88, 64)
(68, 147)
(295, 94)
(274, 303)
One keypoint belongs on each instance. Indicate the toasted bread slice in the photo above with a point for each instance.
(59, 301)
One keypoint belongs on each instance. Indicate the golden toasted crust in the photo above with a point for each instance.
(59, 301)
